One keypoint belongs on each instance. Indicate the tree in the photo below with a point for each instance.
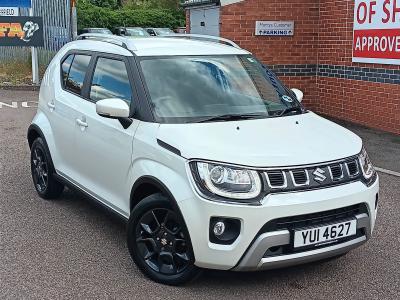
(106, 3)
(169, 4)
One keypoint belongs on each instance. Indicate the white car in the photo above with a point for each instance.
(211, 159)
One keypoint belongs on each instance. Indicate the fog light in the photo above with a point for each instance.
(223, 230)
(219, 228)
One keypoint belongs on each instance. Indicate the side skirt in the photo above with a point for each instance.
(93, 198)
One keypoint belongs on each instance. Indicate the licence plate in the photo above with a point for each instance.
(324, 234)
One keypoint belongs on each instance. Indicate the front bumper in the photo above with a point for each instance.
(254, 258)
(248, 251)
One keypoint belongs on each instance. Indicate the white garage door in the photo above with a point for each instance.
(204, 21)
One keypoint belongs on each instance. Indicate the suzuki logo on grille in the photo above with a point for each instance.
(319, 175)
(164, 242)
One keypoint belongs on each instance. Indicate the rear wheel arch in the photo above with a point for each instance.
(34, 132)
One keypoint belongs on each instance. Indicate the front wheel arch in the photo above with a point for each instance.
(155, 186)
(146, 186)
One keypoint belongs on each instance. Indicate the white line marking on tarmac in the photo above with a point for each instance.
(15, 105)
(390, 172)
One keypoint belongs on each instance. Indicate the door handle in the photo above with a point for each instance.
(51, 105)
(81, 123)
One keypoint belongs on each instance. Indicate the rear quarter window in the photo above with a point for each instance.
(74, 71)
(66, 65)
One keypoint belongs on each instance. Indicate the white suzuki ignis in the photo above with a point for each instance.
(211, 159)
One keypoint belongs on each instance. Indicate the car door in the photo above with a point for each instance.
(103, 144)
(62, 110)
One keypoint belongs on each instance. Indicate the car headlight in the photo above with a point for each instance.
(367, 168)
(227, 181)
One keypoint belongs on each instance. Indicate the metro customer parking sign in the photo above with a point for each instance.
(377, 31)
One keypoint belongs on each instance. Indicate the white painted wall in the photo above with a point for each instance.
(209, 15)
(227, 2)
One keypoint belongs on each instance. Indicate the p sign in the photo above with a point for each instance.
(376, 31)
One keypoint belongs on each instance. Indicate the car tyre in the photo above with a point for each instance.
(42, 170)
(159, 242)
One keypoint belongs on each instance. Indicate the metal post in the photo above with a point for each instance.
(74, 20)
(35, 60)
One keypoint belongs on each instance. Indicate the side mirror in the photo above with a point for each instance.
(112, 108)
(299, 94)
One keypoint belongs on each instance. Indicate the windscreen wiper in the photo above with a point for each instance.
(232, 117)
(289, 110)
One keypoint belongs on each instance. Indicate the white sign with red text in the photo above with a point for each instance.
(377, 31)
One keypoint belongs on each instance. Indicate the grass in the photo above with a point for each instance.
(17, 73)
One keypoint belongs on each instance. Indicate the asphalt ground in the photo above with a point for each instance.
(72, 249)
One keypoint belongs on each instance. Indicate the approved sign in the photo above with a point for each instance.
(377, 31)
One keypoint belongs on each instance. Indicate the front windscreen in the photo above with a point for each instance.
(163, 31)
(101, 30)
(136, 32)
(193, 88)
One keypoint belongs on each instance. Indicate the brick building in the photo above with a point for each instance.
(318, 57)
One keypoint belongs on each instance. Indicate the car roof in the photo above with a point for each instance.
(158, 46)
(129, 27)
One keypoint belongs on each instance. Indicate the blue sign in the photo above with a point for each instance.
(15, 3)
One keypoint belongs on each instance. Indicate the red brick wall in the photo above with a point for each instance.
(187, 21)
(238, 23)
(323, 36)
(369, 103)
(305, 83)
(372, 104)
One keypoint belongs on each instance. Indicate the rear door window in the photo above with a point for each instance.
(110, 80)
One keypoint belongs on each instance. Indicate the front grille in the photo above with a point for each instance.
(312, 176)
(352, 168)
(276, 179)
(336, 172)
(310, 220)
(300, 177)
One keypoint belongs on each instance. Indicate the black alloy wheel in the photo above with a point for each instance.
(159, 243)
(42, 170)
